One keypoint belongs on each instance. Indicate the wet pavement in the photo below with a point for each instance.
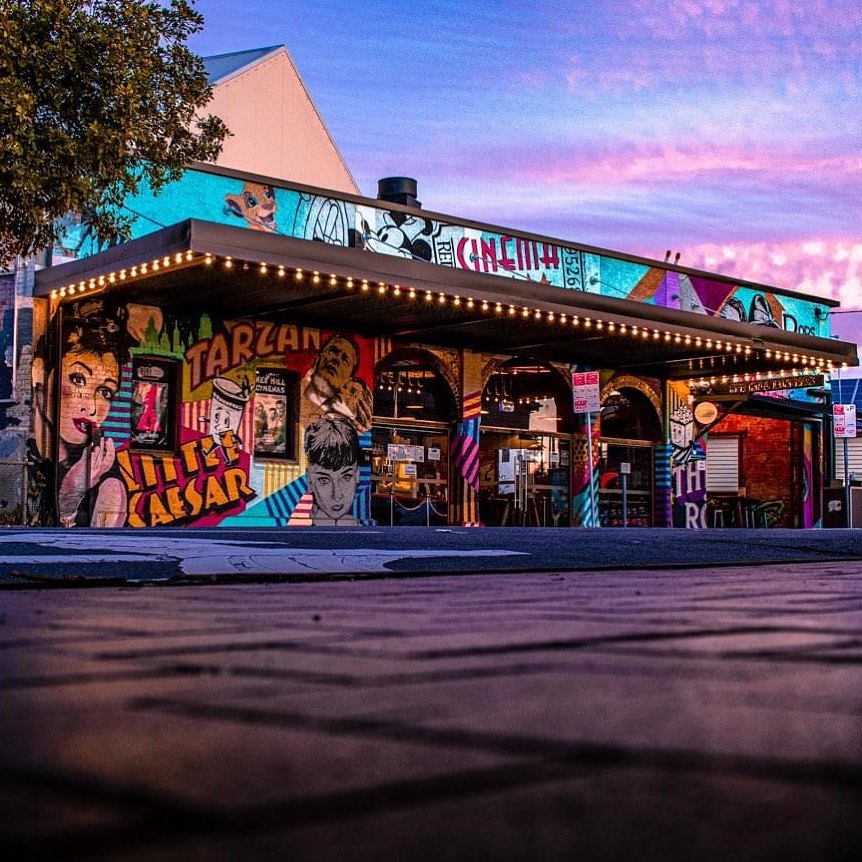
(649, 713)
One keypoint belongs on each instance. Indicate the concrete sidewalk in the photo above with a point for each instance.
(711, 714)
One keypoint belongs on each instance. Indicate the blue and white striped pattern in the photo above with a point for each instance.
(663, 496)
(362, 500)
(280, 505)
(118, 423)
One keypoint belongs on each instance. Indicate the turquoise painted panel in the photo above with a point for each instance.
(377, 228)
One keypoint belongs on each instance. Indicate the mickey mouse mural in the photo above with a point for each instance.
(401, 234)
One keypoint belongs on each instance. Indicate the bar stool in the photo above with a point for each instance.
(750, 512)
(716, 508)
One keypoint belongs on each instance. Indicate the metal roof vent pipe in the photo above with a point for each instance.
(398, 190)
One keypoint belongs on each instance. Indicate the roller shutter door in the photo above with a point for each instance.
(854, 457)
(722, 465)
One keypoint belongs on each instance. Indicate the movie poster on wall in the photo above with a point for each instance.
(151, 399)
(271, 414)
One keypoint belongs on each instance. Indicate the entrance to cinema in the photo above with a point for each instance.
(414, 412)
(630, 430)
(526, 448)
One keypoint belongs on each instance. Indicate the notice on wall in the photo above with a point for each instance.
(405, 452)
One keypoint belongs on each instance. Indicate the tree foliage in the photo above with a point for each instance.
(96, 97)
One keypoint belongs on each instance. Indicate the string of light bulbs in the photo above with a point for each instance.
(643, 333)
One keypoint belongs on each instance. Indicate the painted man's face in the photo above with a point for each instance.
(336, 362)
(333, 489)
(88, 384)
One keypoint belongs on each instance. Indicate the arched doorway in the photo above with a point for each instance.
(630, 430)
(525, 447)
(414, 409)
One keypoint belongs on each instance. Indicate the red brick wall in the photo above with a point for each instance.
(766, 459)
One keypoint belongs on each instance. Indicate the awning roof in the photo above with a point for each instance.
(465, 309)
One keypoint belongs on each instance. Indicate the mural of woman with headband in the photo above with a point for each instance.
(95, 344)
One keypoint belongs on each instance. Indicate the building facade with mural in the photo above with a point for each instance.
(264, 353)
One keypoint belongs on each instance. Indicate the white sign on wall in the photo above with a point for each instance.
(844, 420)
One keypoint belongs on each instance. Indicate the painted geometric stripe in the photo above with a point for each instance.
(662, 466)
(283, 502)
(301, 515)
(469, 510)
(276, 476)
(585, 513)
(362, 499)
(118, 422)
(465, 451)
(663, 501)
(195, 416)
(472, 405)
(382, 348)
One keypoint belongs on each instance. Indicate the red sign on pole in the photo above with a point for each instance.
(844, 420)
(585, 388)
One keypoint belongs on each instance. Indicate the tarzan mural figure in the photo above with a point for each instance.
(331, 388)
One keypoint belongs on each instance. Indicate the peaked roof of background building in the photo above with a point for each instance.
(221, 66)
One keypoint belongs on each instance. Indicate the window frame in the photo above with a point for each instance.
(291, 384)
(171, 370)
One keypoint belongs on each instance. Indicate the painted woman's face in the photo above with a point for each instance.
(333, 490)
(88, 384)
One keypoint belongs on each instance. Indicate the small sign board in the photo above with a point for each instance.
(625, 468)
(405, 452)
(844, 420)
(771, 384)
(585, 389)
(706, 412)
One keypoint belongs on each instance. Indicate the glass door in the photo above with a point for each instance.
(410, 476)
(524, 479)
(626, 484)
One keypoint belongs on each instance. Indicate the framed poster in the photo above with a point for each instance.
(275, 413)
(152, 417)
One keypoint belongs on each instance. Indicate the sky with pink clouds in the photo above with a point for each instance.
(727, 130)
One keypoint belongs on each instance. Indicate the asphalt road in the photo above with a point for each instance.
(40, 556)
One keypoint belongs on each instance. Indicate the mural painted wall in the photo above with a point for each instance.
(294, 213)
(687, 462)
(166, 421)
